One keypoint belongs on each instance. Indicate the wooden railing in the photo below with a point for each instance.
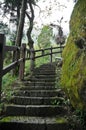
(25, 54)
(15, 61)
(44, 52)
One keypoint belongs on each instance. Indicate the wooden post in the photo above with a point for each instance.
(32, 60)
(42, 52)
(22, 64)
(51, 55)
(2, 43)
(61, 49)
(14, 54)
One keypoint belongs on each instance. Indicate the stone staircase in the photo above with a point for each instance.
(38, 105)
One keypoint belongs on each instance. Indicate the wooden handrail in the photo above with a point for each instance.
(25, 54)
(15, 62)
(10, 48)
(11, 66)
(44, 53)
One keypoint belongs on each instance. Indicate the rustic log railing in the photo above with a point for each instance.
(44, 53)
(15, 62)
(25, 54)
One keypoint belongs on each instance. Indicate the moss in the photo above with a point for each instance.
(74, 66)
(61, 120)
(6, 119)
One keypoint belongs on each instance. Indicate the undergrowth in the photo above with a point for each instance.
(7, 89)
(81, 116)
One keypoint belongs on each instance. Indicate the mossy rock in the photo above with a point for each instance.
(73, 77)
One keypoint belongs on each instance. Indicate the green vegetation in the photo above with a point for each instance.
(7, 86)
(81, 116)
(45, 37)
(6, 119)
(74, 66)
(61, 120)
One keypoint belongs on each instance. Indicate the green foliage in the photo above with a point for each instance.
(8, 55)
(81, 116)
(27, 67)
(4, 28)
(1, 107)
(74, 66)
(7, 89)
(61, 120)
(42, 60)
(6, 119)
(44, 37)
(10, 5)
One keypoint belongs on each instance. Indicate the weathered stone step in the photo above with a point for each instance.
(35, 110)
(48, 65)
(36, 87)
(44, 73)
(28, 83)
(45, 66)
(35, 123)
(41, 79)
(37, 100)
(39, 93)
(45, 76)
(46, 69)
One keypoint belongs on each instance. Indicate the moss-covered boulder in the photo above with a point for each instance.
(74, 58)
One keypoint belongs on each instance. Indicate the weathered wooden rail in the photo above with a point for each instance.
(25, 54)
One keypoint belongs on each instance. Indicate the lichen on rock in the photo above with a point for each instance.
(73, 76)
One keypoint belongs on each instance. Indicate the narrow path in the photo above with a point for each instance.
(37, 105)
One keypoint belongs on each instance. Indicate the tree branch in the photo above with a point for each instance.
(27, 15)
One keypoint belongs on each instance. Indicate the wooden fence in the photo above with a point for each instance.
(25, 54)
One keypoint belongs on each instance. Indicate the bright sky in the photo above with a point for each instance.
(53, 10)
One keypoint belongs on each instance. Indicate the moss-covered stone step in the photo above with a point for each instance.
(35, 110)
(37, 100)
(34, 123)
(39, 93)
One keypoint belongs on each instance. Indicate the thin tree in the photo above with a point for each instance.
(21, 23)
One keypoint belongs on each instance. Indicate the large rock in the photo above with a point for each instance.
(74, 58)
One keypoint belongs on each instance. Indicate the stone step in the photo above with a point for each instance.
(35, 123)
(36, 87)
(44, 73)
(40, 79)
(47, 70)
(39, 93)
(45, 76)
(46, 67)
(35, 110)
(28, 83)
(37, 100)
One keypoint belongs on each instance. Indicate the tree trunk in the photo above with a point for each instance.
(30, 40)
(21, 23)
(20, 31)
